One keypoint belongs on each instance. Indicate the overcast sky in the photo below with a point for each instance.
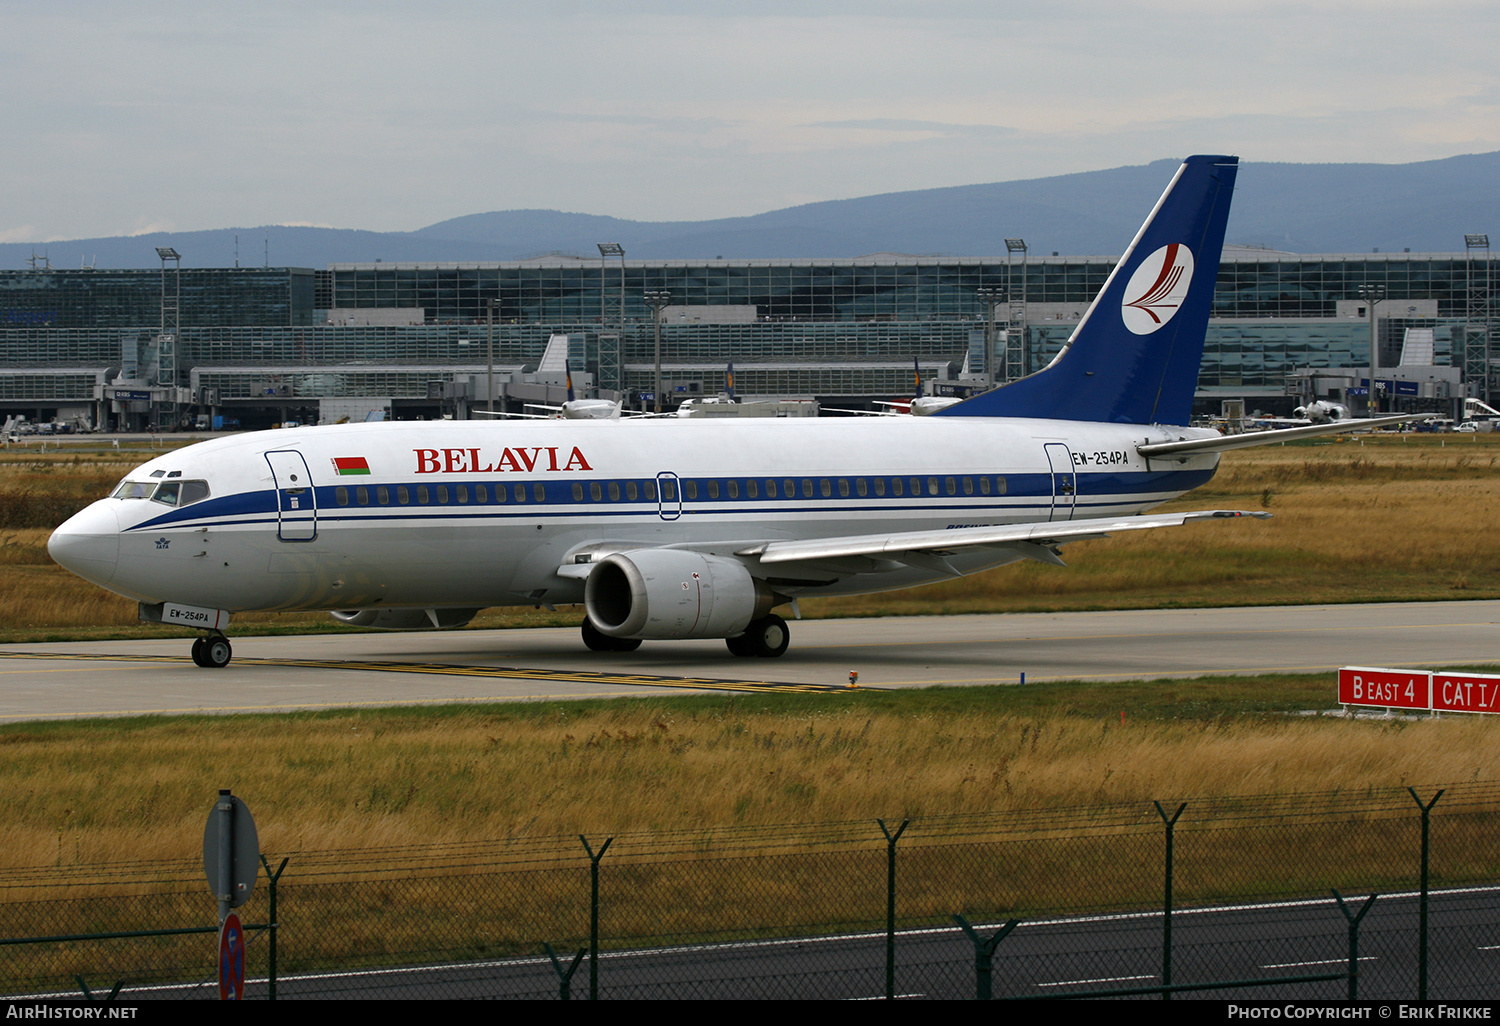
(122, 118)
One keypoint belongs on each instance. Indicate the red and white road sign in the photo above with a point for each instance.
(1466, 692)
(1389, 689)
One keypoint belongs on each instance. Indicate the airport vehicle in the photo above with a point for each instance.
(670, 530)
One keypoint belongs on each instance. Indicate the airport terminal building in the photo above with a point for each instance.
(171, 345)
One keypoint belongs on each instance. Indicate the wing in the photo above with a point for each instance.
(926, 548)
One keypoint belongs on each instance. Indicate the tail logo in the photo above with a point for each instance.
(1159, 286)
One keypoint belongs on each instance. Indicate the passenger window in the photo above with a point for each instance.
(713, 489)
(596, 491)
(898, 487)
(614, 491)
(752, 489)
(341, 495)
(825, 487)
(520, 493)
(539, 492)
(481, 494)
(383, 495)
(362, 495)
(770, 488)
(984, 486)
(422, 495)
(843, 488)
(861, 487)
(442, 495)
(1000, 486)
(880, 487)
(968, 486)
(632, 491)
(403, 495)
(650, 491)
(734, 489)
(951, 485)
(463, 493)
(577, 491)
(690, 489)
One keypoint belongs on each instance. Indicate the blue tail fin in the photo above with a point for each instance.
(1134, 357)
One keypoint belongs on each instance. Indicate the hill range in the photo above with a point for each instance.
(1426, 207)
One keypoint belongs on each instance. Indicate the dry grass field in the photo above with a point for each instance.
(86, 792)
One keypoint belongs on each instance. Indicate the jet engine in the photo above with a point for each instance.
(674, 593)
(404, 619)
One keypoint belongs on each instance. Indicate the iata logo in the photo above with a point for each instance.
(1157, 288)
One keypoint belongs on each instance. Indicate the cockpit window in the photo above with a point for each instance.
(169, 493)
(180, 493)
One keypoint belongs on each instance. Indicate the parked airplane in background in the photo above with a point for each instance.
(918, 405)
(665, 530)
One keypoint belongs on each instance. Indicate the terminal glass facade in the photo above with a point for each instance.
(803, 327)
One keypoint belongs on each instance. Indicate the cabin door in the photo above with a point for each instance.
(668, 496)
(1064, 480)
(296, 502)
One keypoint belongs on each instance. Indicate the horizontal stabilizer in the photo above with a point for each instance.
(1223, 443)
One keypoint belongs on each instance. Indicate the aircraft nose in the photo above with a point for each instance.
(88, 543)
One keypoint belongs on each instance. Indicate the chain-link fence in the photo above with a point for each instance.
(1201, 894)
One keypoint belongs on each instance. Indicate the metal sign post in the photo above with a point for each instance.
(231, 852)
(231, 860)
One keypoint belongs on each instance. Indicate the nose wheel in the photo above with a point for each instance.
(212, 651)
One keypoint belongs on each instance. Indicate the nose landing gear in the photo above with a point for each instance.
(212, 651)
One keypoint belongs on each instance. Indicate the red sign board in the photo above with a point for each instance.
(1466, 692)
(1390, 689)
(231, 959)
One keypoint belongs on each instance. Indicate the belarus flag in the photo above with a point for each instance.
(351, 465)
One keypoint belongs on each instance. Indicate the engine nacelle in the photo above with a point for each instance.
(673, 593)
(404, 619)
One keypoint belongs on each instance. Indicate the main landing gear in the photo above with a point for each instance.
(598, 641)
(212, 651)
(767, 637)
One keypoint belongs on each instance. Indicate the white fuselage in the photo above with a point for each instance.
(474, 514)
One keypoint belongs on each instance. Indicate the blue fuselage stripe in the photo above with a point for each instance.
(1024, 494)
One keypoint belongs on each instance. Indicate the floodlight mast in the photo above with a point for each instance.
(611, 317)
(166, 338)
(657, 300)
(991, 295)
(1373, 294)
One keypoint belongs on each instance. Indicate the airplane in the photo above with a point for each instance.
(572, 409)
(1320, 411)
(919, 405)
(669, 531)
